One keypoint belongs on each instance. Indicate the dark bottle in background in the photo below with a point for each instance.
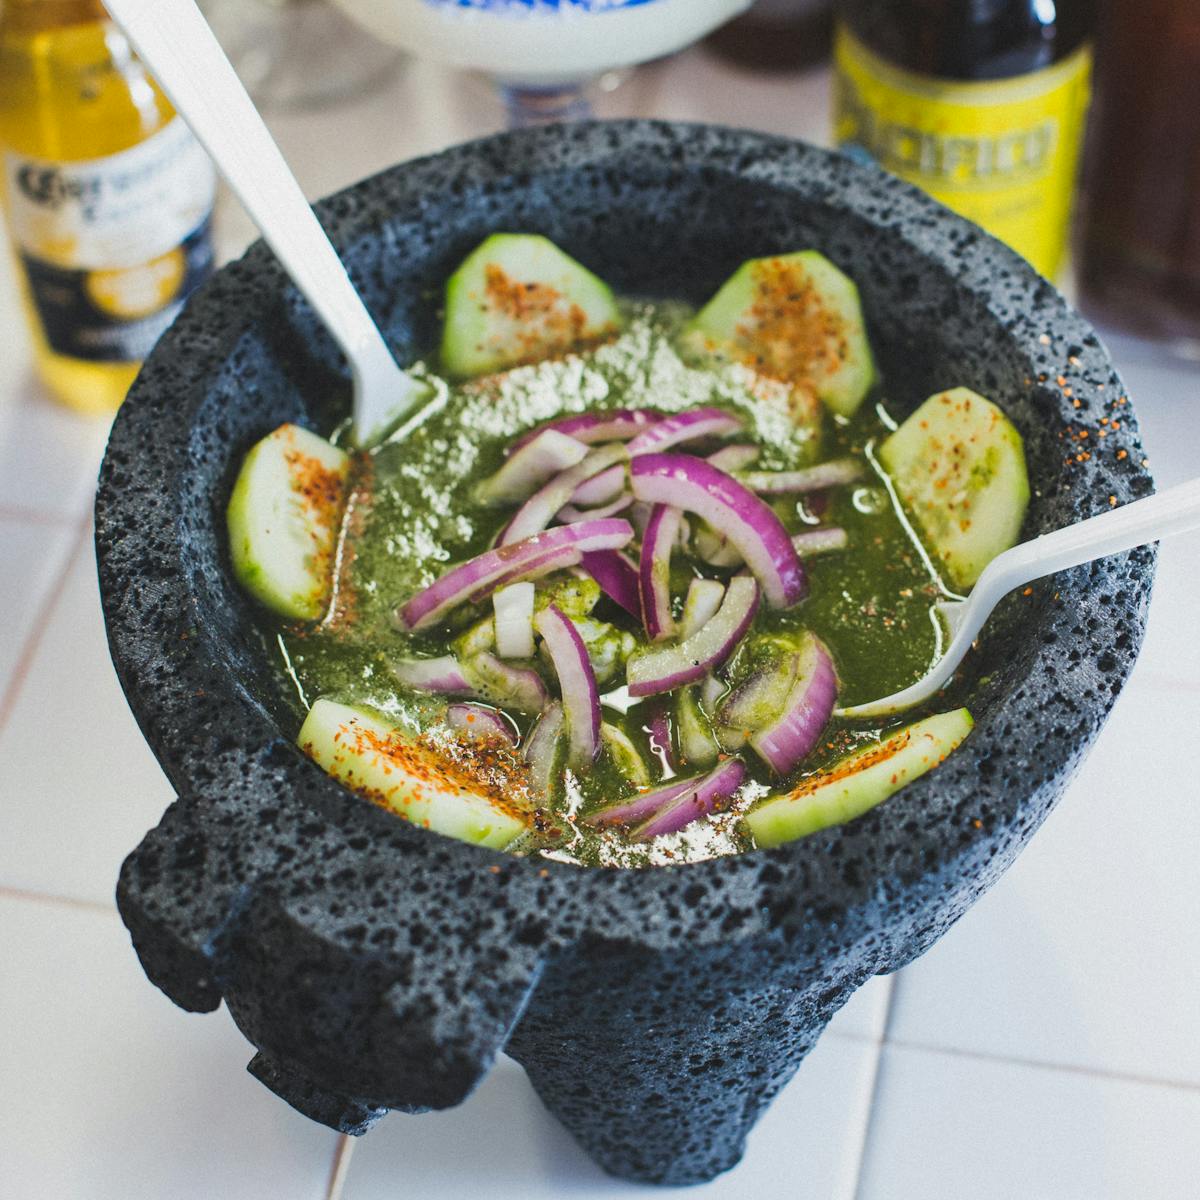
(980, 102)
(1138, 248)
(777, 35)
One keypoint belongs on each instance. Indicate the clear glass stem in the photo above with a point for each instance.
(544, 105)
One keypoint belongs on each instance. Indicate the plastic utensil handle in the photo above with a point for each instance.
(174, 40)
(1175, 510)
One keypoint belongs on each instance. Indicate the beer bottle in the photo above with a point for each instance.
(980, 102)
(107, 195)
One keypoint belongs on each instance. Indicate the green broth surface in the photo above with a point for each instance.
(412, 515)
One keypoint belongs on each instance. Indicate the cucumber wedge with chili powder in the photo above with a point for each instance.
(858, 782)
(283, 519)
(794, 317)
(516, 299)
(959, 468)
(382, 762)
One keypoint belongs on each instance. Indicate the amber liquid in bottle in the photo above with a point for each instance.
(72, 98)
(980, 102)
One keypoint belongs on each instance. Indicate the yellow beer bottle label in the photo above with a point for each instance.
(1003, 152)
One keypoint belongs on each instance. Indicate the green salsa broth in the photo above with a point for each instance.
(412, 514)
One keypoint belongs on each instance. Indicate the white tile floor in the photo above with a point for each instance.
(1046, 1048)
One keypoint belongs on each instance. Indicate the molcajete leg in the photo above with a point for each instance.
(660, 1069)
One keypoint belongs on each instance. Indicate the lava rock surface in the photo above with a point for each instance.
(378, 966)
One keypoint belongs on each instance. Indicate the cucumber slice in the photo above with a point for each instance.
(959, 469)
(858, 782)
(518, 298)
(380, 761)
(283, 519)
(794, 317)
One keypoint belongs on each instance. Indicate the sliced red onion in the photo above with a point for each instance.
(619, 425)
(521, 688)
(540, 459)
(569, 514)
(685, 427)
(514, 620)
(538, 511)
(806, 711)
(664, 668)
(654, 571)
(602, 488)
(712, 548)
(701, 798)
(442, 676)
(734, 458)
(541, 751)
(617, 577)
(529, 559)
(820, 541)
(711, 691)
(639, 514)
(577, 684)
(658, 727)
(758, 534)
(703, 600)
(811, 479)
(756, 702)
(641, 806)
(479, 721)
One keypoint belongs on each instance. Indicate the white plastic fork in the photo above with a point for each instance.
(1175, 510)
(175, 42)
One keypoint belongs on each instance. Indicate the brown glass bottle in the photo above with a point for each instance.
(777, 35)
(981, 102)
(1139, 235)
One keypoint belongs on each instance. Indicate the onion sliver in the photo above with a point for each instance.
(654, 571)
(664, 668)
(501, 683)
(514, 620)
(757, 702)
(577, 684)
(624, 755)
(538, 511)
(641, 806)
(698, 800)
(659, 730)
(703, 600)
(602, 488)
(538, 460)
(442, 676)
(528, 559)
(734, 458)
(734, 512)
(619, 425)
(479, 721)
(617, 577)
(541, 751)
(685, 427)
(569, 514)
(810, 479)
(806, 711)
(821, 541)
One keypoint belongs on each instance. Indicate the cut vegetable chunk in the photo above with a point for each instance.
(958, 465)
(383, 763)
(794, 317)
(283, 520)
(858, 782)
(516, 299)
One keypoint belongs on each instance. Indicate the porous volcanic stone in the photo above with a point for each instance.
(375, 965)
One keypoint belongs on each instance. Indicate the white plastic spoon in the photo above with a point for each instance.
(175, 42)
(1176, 510)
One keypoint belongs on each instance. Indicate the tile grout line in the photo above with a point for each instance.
(20, 672)
(339, 1170)
(1037, 1064)
(854, 1191)
(26, 896)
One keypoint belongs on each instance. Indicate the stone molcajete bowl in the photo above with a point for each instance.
(377, 966)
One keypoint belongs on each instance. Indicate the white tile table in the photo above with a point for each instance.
(1049, 1046)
